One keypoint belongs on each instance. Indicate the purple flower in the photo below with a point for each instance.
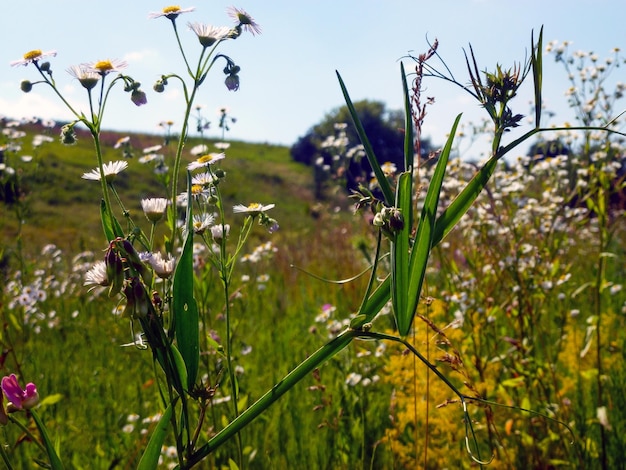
(20, 398)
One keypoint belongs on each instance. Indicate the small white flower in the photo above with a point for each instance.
(33, 57)
(201, 222)
(97, 275)
(163, 267)
(154, 208)
(205, 160)
(353, 379)
(170, 12)
(253, 209)
(110, 170)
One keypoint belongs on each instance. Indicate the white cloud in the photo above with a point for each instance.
(33, 105)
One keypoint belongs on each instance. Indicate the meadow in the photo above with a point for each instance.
(448, 314)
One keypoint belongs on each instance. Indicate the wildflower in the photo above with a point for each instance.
(207, 34)
(97, 275)
(201, 222)
(163, 267)
(388, 168)
(353, 378)
(153, 208)
(205, 160)
(200, 149)
(220, 231)
(603, 418)
(103, 67)
(244, 19)
(204, 179)
(253, 209)
(40, 139)
(18, 397)
(110, 170)
(152, 149)
(87, 77)
(33, 57)
(121, 142)
(171, 12)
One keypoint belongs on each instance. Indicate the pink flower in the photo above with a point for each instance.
(19, 398)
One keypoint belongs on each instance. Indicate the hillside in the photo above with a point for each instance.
(58, 206)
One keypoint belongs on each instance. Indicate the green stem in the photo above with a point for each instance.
(103, 183)
(323, 354)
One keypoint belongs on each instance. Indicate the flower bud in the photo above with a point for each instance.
(115, 272)
(45, 66)
(26, 86)
(138, 97)
(67, 135)
(232, 82)
(159, 86)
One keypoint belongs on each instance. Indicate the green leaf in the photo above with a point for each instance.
(184, 304)
(409, 151)
(375, 302)
(51, 400)
(180, 365)
(150, 458)
(385, 187)
(400, 249)
(110, 225)
(537, 65)
(55, 461)
(424, 237)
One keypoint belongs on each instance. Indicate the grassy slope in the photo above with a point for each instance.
(64, 209)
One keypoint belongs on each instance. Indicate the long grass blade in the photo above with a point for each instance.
(409, 152)
(400, 249)
(55, 461)
(184, 304)
(150, 458)
(384, 185)
(424, 237)
(537, 65)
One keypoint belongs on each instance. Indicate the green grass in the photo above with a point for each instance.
(520, 343)
(64, 209)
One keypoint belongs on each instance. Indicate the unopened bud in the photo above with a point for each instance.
(26, 86)
(232, 82)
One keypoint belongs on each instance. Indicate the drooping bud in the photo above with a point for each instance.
(232, 82)
(26, 86)
(115, 272)
(68, 137)
(138, 97)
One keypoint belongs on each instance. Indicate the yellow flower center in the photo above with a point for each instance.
(32, 55)
(103, 65)
(171, 9)
(254, 206)
(205, 158)
(196, 189)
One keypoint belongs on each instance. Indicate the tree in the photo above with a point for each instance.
(384, 128)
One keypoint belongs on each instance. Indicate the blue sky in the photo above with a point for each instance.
(288, 80)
